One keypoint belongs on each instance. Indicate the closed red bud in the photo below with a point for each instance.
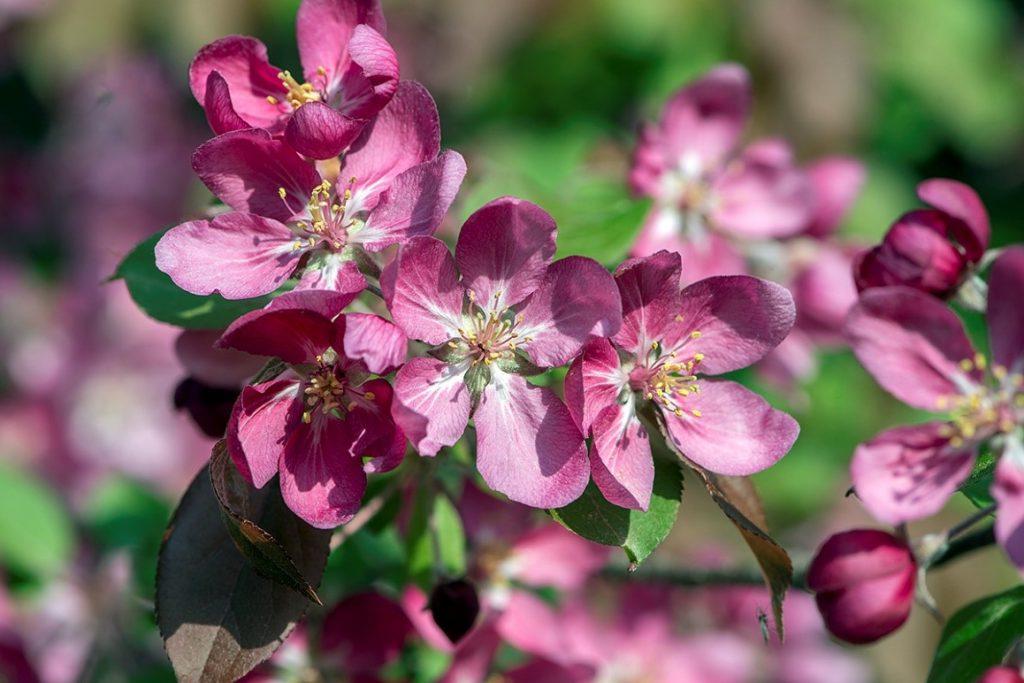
(1001, 674)
(863, 582)
(208, 406)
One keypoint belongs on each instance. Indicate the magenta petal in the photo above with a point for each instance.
(1005, 319)
(239, 255)
(294, 335)
(372, 78)
(415, 202)
(422, 291)
(332, 271)
(504, 250)
(909, 472)
(323, 30)
(912, 345)
(649, 289)
(321, 481)
(215, 367)
(594, 381)
(366, 631)
(528, 446)
(242, 64)
(620, 458)
(576, 299)
(824, 291)
(220, 113)
(431, 403)
(322, 302)
(246, 170)
(736, 433)
(736, 320)
(1008, 491)
(318, 131)
(263, 418)
(377, 342)
(553, 556)
(961, 202)
(836, 182)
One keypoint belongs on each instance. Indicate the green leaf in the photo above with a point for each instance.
(978, 486)
(436, 542)
(978, 636)
(638, 533)
(36, 536)
(161, 299)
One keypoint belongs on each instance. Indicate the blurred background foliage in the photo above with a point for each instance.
(543, 98)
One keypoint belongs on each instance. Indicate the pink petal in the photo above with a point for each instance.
(263, 418)
(576, 299)
(474, 655)
(824, 291)
(532, 625)
(414, 602)
(528, 446)
(553, 556)
(1008, 492)
(504, 250)
(855, 556)
(406, 133)
(546, 671)
(239, 255)
(213, 366)
(1005, 320)
(332, 271)
(366, 631)
(867, 611)
(246, 170)
(961, 202)
(321, 480)
(734, 320)
(323, 29)
(620, 457)
(295, 335)
(704, 254)
(431, 403)
(595, 380)
(649, 289)
(737, 432)
(372, 78)
(325, 303)
(242, 63)
(422, 291)
(836, 182)
(414, 203)
(379, 343)
(490, 519)
(220, 112)
(372, 432)
(909, 472)
(912, 345)
(319, 131)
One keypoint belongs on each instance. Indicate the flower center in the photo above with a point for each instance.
(329, 222)
(668, 380)
(986, 410)
(297, 94)
(489, 335)
(326, 387)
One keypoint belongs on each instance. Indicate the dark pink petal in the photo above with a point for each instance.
(264, 417)
(431, 403)
(1008, 492)
(242, 63)
(414, 203)
(322, 481)
(406, 133)
(912, 345)
(858, 555)
(553, 556)
(734, 320)
(332, 271)
(322, 302)
(294, 335)
(319, 131)
(762, 196)
(365, 631)
(576, 299)
(909, 472)
(422, 290)
(870, 610)
(824, 291)
(220, 113)
(620, 457)
(323, 30)
(1005, 318)
(1002, 674)
(213, 366)
(545, 671)
(649, 289)
(836, 182)
(528, 446)
(595, 380)
(392, 456)
(794, 360)
(504, 250)
(246, 170)
(372, 78)
(239, 255)
(371, 430)
(379, 343)
(736, 433)
(961, 202)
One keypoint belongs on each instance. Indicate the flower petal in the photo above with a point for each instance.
(554, 556)
(371, 79)
(246, 169)
(737, 432)
(1008, 492)
(422, 290)
(242, 63)
(620, 457)
(824, 291)
(239, 255)
(836, 182)
(365, 630)
(221, 368)
(1005, 321)
(594, 381)
(263, 418)
(649, 289)
(431, 403)
(319, 131)
(912, 345)
(734, 320)
(332, 271)
(414, 203)
(703, 253)
(323, 30)
(377, 342)
(504, 250)
(528, 446)
(576, 299)
(295, 335)
(909, 472)
(220, 112)
(961, 202)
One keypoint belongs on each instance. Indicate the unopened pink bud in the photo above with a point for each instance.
(1001, 674)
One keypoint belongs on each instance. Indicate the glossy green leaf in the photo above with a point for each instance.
(978, 636)
(978, 486)
(436, 541)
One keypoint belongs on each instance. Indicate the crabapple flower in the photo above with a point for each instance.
(703, 188)
(864, 583)
(393, 184)
(326, 422)
(917, 349)
(1002, 674)
(512, 311)
(350, 73)
(668, 341)
(934, 249)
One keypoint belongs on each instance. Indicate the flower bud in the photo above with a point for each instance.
(1001, 674)
(454, 605)
(208, 406)
(864, 583)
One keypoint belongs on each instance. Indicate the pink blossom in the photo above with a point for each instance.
(669, 340)
(392, 185)
(350, 73)
(512, 311)
(1002, 674)
(316, 424)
